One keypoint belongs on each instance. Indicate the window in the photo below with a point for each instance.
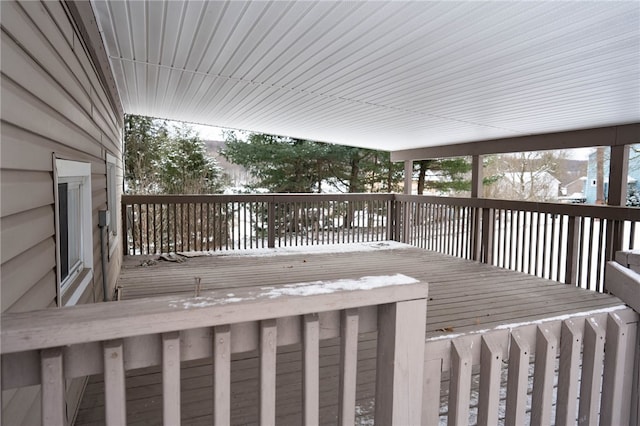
(112, 203)
(74, 237)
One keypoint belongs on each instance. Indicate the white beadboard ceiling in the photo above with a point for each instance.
(386, 75)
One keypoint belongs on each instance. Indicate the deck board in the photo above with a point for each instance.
(463, 296)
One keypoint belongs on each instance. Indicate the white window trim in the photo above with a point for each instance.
(73, 169)
(112, 200)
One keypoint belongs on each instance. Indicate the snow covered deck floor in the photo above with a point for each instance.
(463, 296)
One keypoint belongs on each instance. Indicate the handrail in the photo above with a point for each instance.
(48, 347)
(103, 321)
(602, 212)
(276, 198)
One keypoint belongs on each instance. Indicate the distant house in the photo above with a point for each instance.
(632, 179)
(573, 192)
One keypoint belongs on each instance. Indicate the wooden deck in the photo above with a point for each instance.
(463, 296)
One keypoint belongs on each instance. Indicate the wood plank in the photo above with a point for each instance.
(615, 404)
(221, 375)
(114, 383)
(591, 378)
(624, 283)
(53, 387)
(348, 366)
(460, 383)
(80, 324)
(489, 392)
(431, 391)
(400, 363)
(517, 380)
(544, 373)
(311, 373)
(568, 372)
(171, 378)
(268, 346)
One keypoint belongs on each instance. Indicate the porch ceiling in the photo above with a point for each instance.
(385, 75)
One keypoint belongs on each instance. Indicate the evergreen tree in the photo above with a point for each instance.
(452, 173)
(160, 161)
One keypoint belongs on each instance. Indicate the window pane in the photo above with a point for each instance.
(75, 224)
(64, 233)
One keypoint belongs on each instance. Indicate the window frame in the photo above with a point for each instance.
(72, 287)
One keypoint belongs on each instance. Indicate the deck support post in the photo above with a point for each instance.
(486, 243)
(617, 196)
(573, 248)
(406, 218)
(476, 192)
(400, 363)
(271, 225)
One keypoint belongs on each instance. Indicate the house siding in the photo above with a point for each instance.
(52, 104)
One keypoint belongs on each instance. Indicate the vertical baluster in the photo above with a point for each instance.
(431, 391)
(489, 393)
(311, 369)
(591, 379)
(162, 229)
(580, 252)
(268, 346)
(561, 244)
(222, 375)
(114, 383)
(554, 245)
(619, 350)
(208, 210)
(171, 378)
(632, 235)
(590, 255)
(53, 387)
(536, 255)
(155, 239)
(348, 366)
(188, 222)
(546, 348)
(202, 228)
(501, 238)
(460, 384)
(140, 221)
(175, 228)
(601, 263)
(568, 373)
(147, 227)
(517, 380)
(233, 226)
(517, 241)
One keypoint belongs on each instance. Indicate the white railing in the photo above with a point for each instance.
(534, 373)
(50, 346)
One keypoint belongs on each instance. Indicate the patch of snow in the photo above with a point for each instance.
(561, 317)
(522, 324)
(326, 287)
(298, 289)
(316, 249)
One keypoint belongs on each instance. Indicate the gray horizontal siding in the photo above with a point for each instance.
(52, 103)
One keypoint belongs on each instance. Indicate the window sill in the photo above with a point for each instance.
(72, 294)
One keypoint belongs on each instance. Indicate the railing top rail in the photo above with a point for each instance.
(603, 212)
(106, 321)
(276, 198)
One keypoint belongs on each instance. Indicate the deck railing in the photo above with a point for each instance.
(562, 242)
(157, 224)
(50, 346)
(562, 371)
